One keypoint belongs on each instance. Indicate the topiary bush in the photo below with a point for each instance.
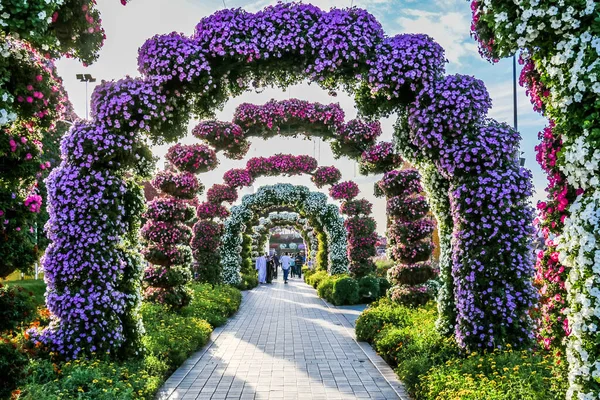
(368, 289)
(345, 291)
(314, 279)
(325, 288)
(376, 316)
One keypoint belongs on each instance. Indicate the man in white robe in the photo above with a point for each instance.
(261, 266)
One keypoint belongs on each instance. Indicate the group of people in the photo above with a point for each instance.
(268, 265)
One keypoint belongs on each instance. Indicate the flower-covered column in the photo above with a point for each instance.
(167, 230)
(360, 228)
(409, 237)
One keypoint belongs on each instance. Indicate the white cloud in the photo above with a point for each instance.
(450, 29)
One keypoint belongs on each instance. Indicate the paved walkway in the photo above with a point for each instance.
(284, 343)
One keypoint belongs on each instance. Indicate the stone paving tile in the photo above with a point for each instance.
(284, 343)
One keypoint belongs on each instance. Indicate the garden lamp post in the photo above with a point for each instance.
(87, 78)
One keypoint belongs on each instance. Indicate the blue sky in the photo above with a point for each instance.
(447, 21)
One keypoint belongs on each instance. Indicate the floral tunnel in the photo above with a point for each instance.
(360, 225)
(290, 220)
(469, 165)
(312, 205)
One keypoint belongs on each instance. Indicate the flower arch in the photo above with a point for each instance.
(313, 205)
(287, 220)
(443, 125)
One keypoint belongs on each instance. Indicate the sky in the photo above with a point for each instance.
(447, 21)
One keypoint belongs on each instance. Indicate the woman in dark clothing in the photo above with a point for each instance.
(270, 269)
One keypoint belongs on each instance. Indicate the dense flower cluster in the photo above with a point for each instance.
(380, 158)
(56, 27)
(183, 185)
(32, 99)
(324, 176)
(561, 45)
(346, 190)
(169, 209)
(313, 205)
(400, 182)
(238, 178)
(445, 128)
(223, 136)
(218, 194)
(281, 164)
(362, 237)
(356, 207)
(193, 158)
(208, 210)
(290, 117)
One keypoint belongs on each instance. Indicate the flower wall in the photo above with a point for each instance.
(559, 46)
(231, 51)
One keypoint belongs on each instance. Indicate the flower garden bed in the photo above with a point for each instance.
(170, 338)
(432, 366)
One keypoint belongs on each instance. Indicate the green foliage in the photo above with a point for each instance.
(315, 278)
(501, 375)
(249, 281)
(321, 258)
(379, 314)
(12, 365)
(382, 267)
(325, 288)
(171, 337)
(384, 285)
(432, 368)
(213, 304)
(368, 289)
(345, 291)
(17, 306)
(37, 287)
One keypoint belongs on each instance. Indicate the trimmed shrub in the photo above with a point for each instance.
(374, 318)
(325, 288)
(368, 289)
(345, 291)
(12, 366)
(384, 285)
(314, 279)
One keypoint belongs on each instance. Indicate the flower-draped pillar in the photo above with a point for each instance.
(447, 128)
(386, 74)
(409, 237)
(560, 46)
(311, 204)
(167, 231)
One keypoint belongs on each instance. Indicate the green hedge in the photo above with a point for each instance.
(432, 367)
(171, 337)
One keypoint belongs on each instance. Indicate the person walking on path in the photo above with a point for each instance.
(270, 264)
(298, 263)
(285, 266)
(292, 266)
(276, 265)
(261, 266)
